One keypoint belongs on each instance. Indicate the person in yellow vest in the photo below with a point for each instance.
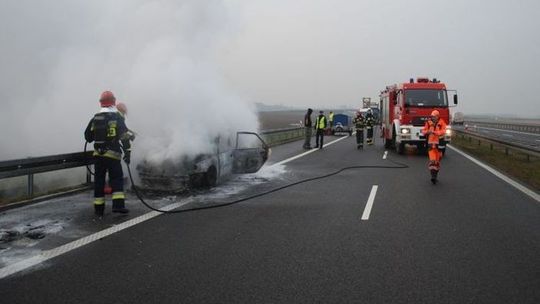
(330, 122)
(320, 125)
(434, 129)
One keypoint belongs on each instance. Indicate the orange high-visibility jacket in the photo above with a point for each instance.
(437, 130)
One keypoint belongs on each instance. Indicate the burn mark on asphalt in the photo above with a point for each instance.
(29, 231)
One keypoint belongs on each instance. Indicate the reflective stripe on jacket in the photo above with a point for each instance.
(437, 130)
(359, 122)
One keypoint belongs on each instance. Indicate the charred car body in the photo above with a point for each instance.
(248, 155)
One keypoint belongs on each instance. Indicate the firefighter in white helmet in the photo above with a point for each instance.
(434, 129)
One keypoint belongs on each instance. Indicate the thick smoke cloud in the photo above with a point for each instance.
(158, 57)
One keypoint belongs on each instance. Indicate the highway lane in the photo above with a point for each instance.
(472, 238)
(526, 139)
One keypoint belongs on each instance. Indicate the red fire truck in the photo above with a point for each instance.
(405, 107)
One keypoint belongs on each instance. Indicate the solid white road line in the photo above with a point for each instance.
(49, 254)
(307, 152)
(385, 155)
(500, 175)
(369, 205)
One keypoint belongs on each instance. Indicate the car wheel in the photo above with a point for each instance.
(196, 180)
(210, 177)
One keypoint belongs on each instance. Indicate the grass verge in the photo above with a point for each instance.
(514, 164)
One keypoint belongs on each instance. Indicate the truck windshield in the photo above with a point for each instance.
(426, 98)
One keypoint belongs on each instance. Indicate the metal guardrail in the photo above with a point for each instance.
(33, 165)
(507, 126)
(506, 145)
(276, 137)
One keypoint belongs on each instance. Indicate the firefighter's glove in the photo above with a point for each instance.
(127, 157)
(131, 135)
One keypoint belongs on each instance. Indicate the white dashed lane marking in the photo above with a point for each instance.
(369, 204)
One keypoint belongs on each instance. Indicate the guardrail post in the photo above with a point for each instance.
(30, 190)
(506, 151)
(88, 177)
(491, 147)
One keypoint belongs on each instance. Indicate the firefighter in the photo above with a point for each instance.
(359, 125)
(307, 126)
(320, 125)
(434, 129)
(107, 129)
(122, 110)
(369, 121)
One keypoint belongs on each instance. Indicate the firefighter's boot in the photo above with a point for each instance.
(119, 206)
(99, 206)
(99, 210)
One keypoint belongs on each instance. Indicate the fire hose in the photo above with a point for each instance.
(141, 199)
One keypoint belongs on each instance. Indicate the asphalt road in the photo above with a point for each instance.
(529, 140)
(472, 238)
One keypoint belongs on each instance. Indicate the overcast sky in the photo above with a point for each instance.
(333, 52)
(185, 65)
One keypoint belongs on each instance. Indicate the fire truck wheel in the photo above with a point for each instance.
(422, 150)
(400, 148)
(387, 143)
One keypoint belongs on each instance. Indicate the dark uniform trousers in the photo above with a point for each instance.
(359, 136)
(319, 136)
(116, 176)
(369, 134)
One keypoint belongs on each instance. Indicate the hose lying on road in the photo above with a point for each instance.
(399, 166)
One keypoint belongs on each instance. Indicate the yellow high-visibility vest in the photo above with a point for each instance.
(321, 122)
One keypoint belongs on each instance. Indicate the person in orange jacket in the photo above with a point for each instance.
(434, 129)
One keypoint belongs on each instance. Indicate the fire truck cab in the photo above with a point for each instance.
(405, 108)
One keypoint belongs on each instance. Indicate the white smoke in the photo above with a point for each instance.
(158, 57)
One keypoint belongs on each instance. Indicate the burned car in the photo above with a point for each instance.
(247, 155)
